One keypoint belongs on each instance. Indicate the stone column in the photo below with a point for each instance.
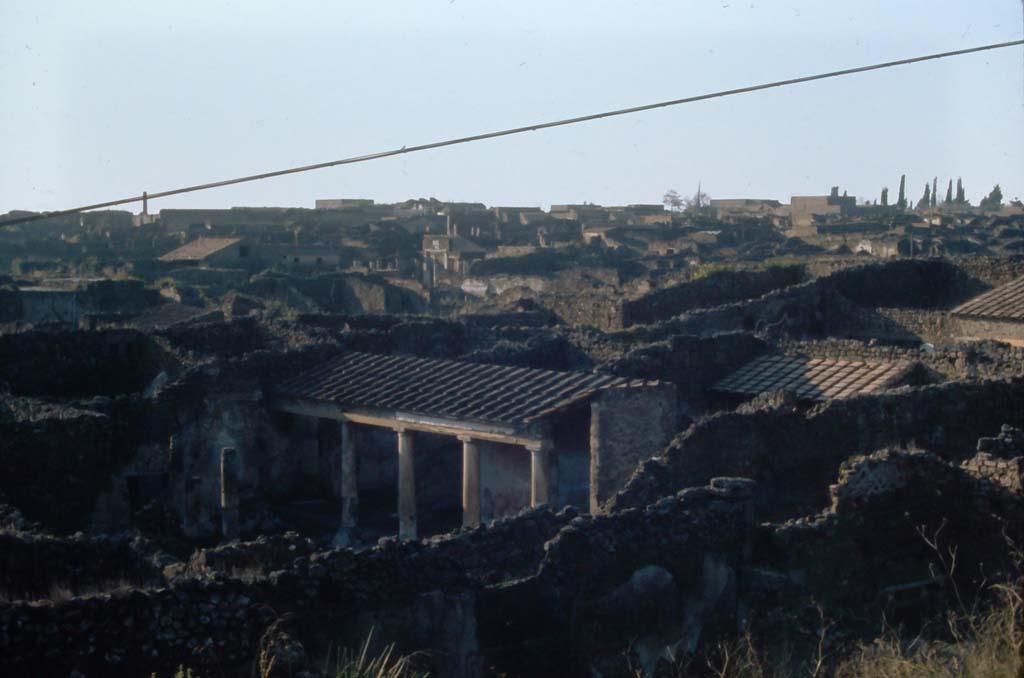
(470, 482)
(349, 479)
(540, 478)
(229, 493)
(406, 486)
(305, 447)
(176, 477)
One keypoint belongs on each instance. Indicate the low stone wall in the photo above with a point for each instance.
(35, 565)
(482, 598)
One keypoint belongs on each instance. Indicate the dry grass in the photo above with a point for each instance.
(361, 664)
(990, 644)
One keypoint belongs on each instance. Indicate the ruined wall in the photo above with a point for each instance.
(838, 304)
(54, 459)
(866, 556)
(936, 327)
(627, 425)
(793, 456)
(720, 287)
(447, 595)
(992, 271)
(992, 329)
(691, 363)
(36, 565)
(78, 363)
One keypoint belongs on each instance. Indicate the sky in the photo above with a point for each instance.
(104, 99)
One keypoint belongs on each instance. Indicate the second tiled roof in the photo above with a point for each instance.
(812, 379)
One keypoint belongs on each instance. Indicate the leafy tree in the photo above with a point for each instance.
(673, 201)
(993, 201)
(901, 201)
(949, 193)
(885, 195)
(926, 199)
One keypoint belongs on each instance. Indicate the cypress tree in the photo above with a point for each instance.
(935, 191)
(901, 201)
(960, 197)
(926, 199)
(949, 193)
(885, 195)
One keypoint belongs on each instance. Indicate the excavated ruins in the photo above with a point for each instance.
(504, 494)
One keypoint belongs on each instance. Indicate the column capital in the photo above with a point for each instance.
(466, 438)
(542, 445)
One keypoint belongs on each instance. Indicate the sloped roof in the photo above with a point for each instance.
(1002, 303)
(198, 250)
(813, 378)
(444, 388)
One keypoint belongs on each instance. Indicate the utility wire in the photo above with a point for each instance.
(515, 130)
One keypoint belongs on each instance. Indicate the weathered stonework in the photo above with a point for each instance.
(627, 425)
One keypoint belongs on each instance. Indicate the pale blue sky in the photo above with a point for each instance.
(105, 99)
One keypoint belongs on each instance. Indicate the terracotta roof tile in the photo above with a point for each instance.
(812, 379)
(444, 388)
(1002, 303)
(199, 249)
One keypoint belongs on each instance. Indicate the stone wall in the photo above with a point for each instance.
(691, 363)
(992, 329)
(35, 565)
(718, 288)
(992, 271)
(627, 426)
(578, 589)
(78, 363)
(793, 455)
(54, 459)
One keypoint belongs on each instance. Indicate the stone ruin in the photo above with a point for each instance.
(174, 512)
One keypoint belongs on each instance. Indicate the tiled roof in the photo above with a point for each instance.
(444, 388)
(199, 249)
(812, 379)
(1002, 303)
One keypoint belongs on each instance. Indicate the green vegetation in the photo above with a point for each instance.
(993, 201)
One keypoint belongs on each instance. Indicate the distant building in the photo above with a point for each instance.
(806, 210)
(342, 203)
(452, 253)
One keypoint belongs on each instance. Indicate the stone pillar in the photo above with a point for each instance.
(470, 482)
(406, 486)
(176, 477)
(540, 472)
(349, 479)
(305, 447)
(229, 493)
